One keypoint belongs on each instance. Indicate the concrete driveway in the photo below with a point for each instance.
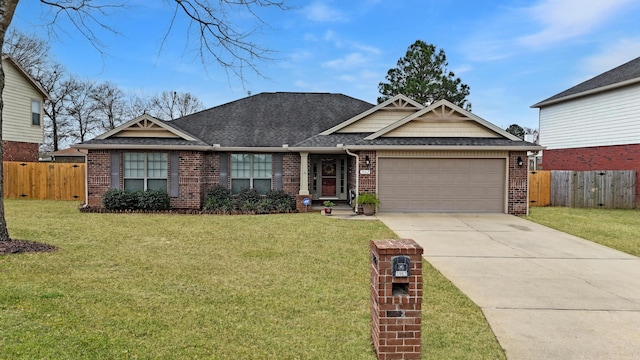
(546, 294)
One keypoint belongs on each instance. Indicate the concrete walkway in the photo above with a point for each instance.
(546, 294)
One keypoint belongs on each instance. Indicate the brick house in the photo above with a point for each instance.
(594, 125)
(320, 146)
(22, 123)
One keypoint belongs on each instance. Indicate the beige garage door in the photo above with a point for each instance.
(441, 185)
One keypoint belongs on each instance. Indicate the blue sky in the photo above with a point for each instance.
(511, 53)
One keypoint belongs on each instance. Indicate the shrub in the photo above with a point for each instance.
(218, 198)
(153, 200)
(248, 199)
(280, 200)
(115, 199)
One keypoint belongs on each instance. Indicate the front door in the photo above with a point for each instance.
(329, 177)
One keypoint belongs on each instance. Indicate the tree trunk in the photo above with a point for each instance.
(7, 8)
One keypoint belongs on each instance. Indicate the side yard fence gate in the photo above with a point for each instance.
(607, 189)
(44, 180)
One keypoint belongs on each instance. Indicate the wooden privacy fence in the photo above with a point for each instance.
(540, 188)
(44, 181)
(609, 189)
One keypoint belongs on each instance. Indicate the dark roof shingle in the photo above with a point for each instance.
(624, 72)
(270, 119)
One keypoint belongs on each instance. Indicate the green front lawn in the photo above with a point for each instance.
(617, 229)
(140, 286)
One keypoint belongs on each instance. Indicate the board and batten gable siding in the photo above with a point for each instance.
(17, 96)
(441, 128)
(609, 118)
(376, 121)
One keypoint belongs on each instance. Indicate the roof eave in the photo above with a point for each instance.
(444, 147)
(586, 93)
(141, 147)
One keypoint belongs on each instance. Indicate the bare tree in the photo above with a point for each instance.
(109, 104)
(172, 105)
(81, 108)
(217, 39)
(30, 51)
(57, 125)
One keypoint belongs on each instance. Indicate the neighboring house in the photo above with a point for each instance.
(69, 155)
(594, 125)
(22, 120)
(439, 158)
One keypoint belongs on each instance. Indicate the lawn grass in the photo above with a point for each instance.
(140, 286)
(618, 229)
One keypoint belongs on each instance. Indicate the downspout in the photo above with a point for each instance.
(355, 207)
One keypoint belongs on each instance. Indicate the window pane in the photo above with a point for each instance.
(262, 166)
(239, 184)
(157, 165)
(262, 185)
(157, 184)
(134, 184)
(35, 112)
(133, 165)
(240, 165)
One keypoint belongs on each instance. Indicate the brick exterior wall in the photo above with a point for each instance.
(367, 182)
(518, 184)
(98, 176)
(20, 151)
(291, 173)
(617, 157)
(198, 172)
(396, 302)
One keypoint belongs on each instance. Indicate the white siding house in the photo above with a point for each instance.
(595, 125)
(22, 113)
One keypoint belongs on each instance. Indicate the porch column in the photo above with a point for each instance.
(304, 173)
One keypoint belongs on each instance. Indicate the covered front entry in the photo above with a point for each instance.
(329, 177)
(442, 184)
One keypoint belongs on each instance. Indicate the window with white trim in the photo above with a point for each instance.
(250, 171)
(36, 112)
(145, 171)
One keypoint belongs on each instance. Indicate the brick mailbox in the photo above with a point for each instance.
(396, 298)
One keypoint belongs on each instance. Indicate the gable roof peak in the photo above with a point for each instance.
(445, 108)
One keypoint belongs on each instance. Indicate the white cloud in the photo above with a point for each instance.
(514, 31)
(347, 62)
(566, 19)
(612, 56)
(321, 12)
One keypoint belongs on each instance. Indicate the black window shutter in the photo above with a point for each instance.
(174, 174)
(277, 171)
(115, 170)
(224, 169)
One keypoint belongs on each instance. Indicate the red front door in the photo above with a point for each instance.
(329, 179)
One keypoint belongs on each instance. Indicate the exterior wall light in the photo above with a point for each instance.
(367, 160)
(520, 162)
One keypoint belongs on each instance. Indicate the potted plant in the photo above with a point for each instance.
(328, 206)
(369, 202)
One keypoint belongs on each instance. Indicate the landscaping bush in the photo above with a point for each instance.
(247, 200)
(115, 199)
(218, 198)
(153, 200)
(280, 200)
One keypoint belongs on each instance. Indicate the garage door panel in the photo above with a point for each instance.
(441, 185)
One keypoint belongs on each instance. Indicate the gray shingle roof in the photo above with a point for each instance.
(270, 119)
(144, 141)
(358, 139)
(624, 72)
